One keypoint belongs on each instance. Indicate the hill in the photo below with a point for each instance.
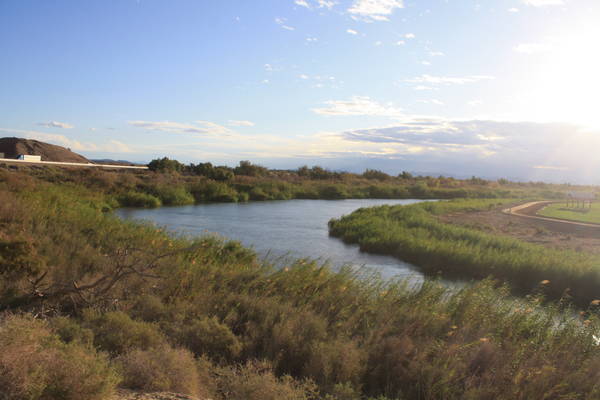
(12, 147)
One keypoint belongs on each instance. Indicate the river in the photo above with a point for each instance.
(280, 230)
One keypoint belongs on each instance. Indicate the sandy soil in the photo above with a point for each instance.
(556, 236)
(123, 394)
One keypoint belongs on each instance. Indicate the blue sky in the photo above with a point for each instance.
(465, 87)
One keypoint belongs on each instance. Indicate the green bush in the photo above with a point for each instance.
(210, 337)
(172, 195)
(117, 333)
(138, 199)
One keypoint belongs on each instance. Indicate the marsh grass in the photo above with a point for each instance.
(414, 234)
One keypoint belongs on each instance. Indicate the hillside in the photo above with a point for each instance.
(12, 147)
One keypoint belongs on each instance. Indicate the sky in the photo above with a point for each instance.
(491, 88)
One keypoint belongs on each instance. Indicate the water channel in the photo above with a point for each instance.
(280, 230)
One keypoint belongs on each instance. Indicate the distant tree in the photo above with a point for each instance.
(317, 172)
(375, 174)
(249, 169)
(405, 175)
(211, 172)
(165, 165)
(303, 171)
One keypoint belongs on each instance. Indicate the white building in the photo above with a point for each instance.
(26, 157)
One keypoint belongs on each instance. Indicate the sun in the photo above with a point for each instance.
(566, 84)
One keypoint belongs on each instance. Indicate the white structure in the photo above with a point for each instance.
(26, 157)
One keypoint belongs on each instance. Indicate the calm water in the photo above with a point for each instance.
(280, 229)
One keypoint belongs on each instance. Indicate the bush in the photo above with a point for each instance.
(256, 381)
(36, 364)
(138, 199)
(172, 195)
(160, 369)
(117, 333)
(209, 336)
(214, 191)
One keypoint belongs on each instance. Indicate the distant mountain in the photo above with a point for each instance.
(12, 147)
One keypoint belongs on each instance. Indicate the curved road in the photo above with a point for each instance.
(529, 211)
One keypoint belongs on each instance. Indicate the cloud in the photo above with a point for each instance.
(542, 3)
(532, 48)
(410, 36)
(435, 54)
(447, 80)
(316, 4)
(513, 10)
(232, 122)
(199, 127)
(374, 10)
(283, 23)
(550, 167)
(351, 31)
(484, 146)
(358, 105)
(56, 124)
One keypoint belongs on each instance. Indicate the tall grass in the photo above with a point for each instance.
(413, 233)
(204, 316)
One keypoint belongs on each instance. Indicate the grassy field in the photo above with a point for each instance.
(560, 210)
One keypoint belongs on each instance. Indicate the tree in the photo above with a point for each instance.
(165, 165)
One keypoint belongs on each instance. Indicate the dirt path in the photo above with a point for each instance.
(530, 210)
(551, 233)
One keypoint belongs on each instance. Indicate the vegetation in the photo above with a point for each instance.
(90, 302)
(169, 182)
(414, 233)
(581, 214)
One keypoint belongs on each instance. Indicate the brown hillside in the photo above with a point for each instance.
(12, 147)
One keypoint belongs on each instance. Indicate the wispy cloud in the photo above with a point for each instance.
(374, 10)
(55, 124)
(232, 122)
(358, 105)
(448, 80)
(351, 31)
(310, 4)
(283, 23)
(198, 127)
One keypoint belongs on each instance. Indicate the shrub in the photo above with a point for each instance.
(70, 331)
(172, 195)
(36, 364)
(214, 191)
(256, 381)
(160, 369)
(209, 336)
(117, 333)
(138, 199)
